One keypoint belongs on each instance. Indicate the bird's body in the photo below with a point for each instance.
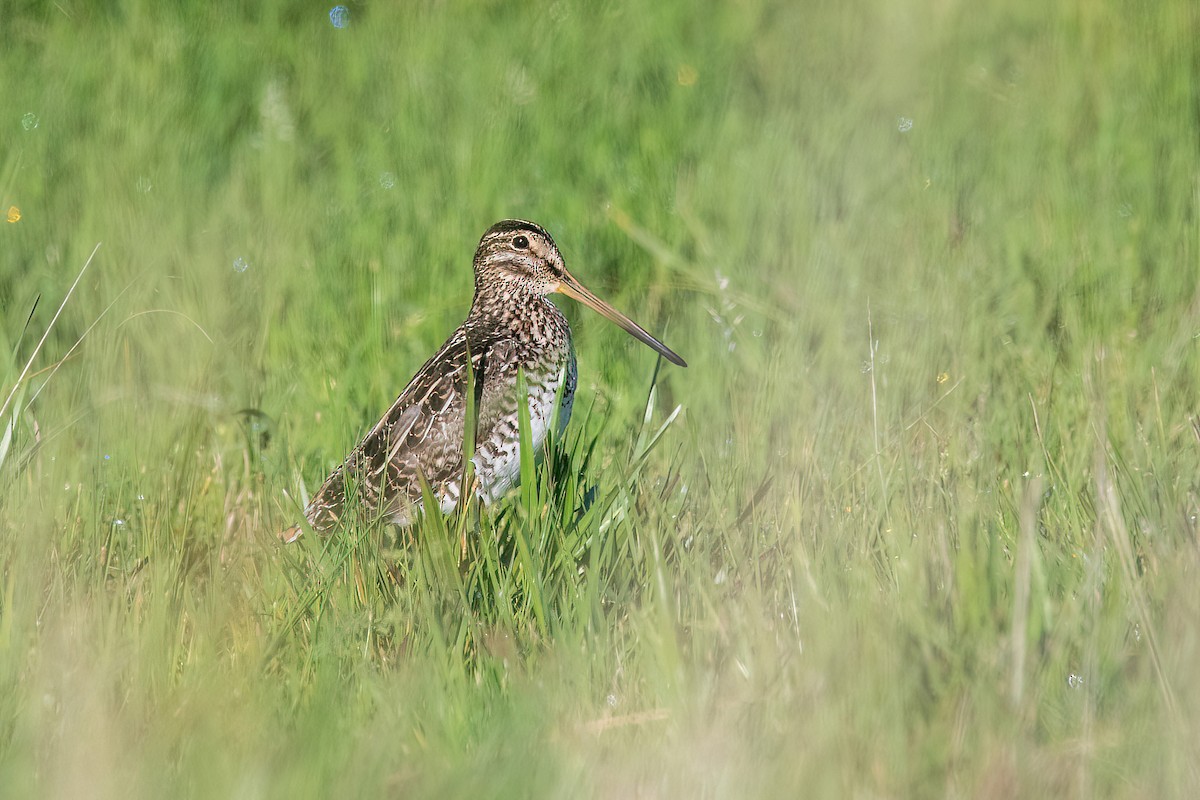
(511, 331)
(422, 434)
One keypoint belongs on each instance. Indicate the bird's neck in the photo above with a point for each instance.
(526, 312)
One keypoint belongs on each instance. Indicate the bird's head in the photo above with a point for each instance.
(519, 258)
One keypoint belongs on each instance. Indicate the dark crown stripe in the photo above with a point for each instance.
(514, 225)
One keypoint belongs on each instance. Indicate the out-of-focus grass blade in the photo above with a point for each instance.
(33, 356)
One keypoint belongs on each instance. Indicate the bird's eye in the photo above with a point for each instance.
(521, 242)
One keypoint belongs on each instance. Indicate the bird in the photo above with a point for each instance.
(511, 330)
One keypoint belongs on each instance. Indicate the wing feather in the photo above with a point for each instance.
(419, 440)
(420, 436)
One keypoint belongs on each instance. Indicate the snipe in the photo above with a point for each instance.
(512, 328)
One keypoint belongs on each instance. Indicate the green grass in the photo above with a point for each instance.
(920, 518)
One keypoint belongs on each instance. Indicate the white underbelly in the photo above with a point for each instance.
(498, 463)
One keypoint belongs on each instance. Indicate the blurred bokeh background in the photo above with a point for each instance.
(919, 519)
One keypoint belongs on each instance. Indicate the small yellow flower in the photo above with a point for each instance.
(687, 75)
(14, 213)
(943, 377)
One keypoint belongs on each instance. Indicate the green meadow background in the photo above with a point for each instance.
(918, 520)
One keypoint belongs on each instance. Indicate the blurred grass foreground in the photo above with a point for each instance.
(920, 519)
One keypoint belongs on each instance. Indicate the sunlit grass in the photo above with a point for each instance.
(920, 517)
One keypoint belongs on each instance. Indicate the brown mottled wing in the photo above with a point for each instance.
(421, 435)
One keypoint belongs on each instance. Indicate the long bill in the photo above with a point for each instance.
(576, 291)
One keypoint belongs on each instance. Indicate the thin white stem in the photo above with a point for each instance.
(49, 328)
